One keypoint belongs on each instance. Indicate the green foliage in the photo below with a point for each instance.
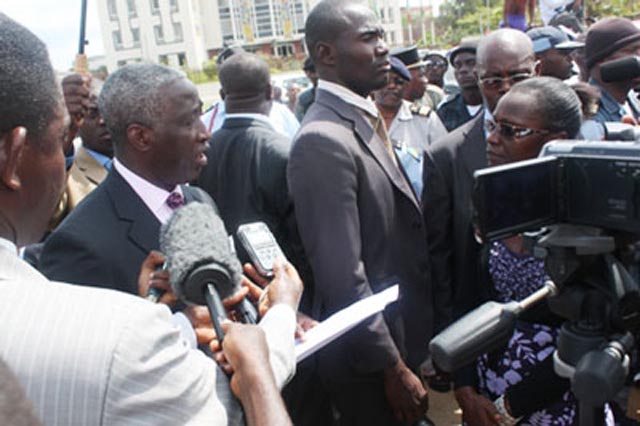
(463, 18)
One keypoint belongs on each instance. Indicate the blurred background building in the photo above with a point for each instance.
(186, 33)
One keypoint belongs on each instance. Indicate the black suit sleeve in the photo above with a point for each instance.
(324, 184)
(438, 213)
(68, 259)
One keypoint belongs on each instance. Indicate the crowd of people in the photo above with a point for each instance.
(365, 180)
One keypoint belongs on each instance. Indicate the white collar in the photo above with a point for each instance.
(253, 116)
(8, 245)
(153, 196)
(350, 97)
(404, 113)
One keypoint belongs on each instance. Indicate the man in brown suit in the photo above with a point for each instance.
(92, 159)
(361, 223)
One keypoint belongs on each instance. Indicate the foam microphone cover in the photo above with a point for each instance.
(196, 245)
(620, 70)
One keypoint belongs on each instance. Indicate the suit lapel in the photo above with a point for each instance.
(474, 149)
(92, 170)
(371, 141)
(144, 228)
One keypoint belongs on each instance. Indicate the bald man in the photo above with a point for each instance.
(504, 57)
(361, 223)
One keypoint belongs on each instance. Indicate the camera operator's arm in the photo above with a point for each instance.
(246, 351)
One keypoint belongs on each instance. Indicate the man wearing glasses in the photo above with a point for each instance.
(435, 65)
(503, 58)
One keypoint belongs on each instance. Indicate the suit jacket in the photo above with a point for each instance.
(362, 229)
(104, 241)
(83, 177)
(247, 176)
(88, 356)
(448, 209)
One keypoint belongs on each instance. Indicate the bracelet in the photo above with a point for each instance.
(506, 419)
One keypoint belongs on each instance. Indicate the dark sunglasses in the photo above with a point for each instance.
(512, 132)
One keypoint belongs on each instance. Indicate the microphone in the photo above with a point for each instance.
(202, 268)
(620, 70)
(481, 330)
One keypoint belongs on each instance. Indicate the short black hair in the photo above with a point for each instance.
(557, 102)
(244, 73)
(309, 65)
(326, 22)
(29, 91)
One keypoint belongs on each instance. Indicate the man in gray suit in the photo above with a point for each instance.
(361, 223)
(88, 356)
(504, 57)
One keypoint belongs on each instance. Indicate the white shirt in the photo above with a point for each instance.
(350, 97)
(253, 116)
(153, 197)
(549, 8)
(280, 117)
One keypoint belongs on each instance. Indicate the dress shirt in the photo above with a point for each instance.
(252, 116)
(350, 97)
(100, 158)
(280, 117)
(153, 197)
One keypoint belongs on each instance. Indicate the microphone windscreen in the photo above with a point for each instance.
(620, 70)
(195, 236)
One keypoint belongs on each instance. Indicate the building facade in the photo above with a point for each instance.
(186, 33)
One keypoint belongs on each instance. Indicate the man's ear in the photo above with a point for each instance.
(268, 92)
(325, 54)
(139, 136)
(12, 145)
(537, 68)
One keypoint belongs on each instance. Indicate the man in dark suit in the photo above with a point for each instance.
(247, 169)
(152, 113)
(504, 57)
(360, 223)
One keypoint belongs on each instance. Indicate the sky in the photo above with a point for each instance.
(57, 23)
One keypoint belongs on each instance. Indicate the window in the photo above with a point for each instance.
(131, 6)
(135, 35)
(174, 5)
(113, 12)
(155, 6)
(163, 59)
(177, 32)
(121, 63)
(157, 30)
(117, 40)
(182, 59)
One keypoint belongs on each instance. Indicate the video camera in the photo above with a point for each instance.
(582, 199)
(583, 183)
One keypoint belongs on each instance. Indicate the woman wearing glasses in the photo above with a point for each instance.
(533, 112)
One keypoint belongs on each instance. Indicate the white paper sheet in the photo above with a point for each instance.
(342, 321)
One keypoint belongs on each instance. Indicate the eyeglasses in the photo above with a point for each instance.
(512, 132)
(435, 64)
(497, 82)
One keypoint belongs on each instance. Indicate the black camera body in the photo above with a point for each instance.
(594, 184)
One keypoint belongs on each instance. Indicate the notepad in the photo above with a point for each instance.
(342, 321)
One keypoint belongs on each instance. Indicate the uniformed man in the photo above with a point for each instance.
(412, 128)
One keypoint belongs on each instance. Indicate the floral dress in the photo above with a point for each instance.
(514, 278)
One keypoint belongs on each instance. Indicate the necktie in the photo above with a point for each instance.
(175, 200)
(381, 130)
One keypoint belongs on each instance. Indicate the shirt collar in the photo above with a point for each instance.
(487, 117)
(8, 245)
(350, 97)
(153, 196)
(253, 116)
(100, 158)
(404, 113)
